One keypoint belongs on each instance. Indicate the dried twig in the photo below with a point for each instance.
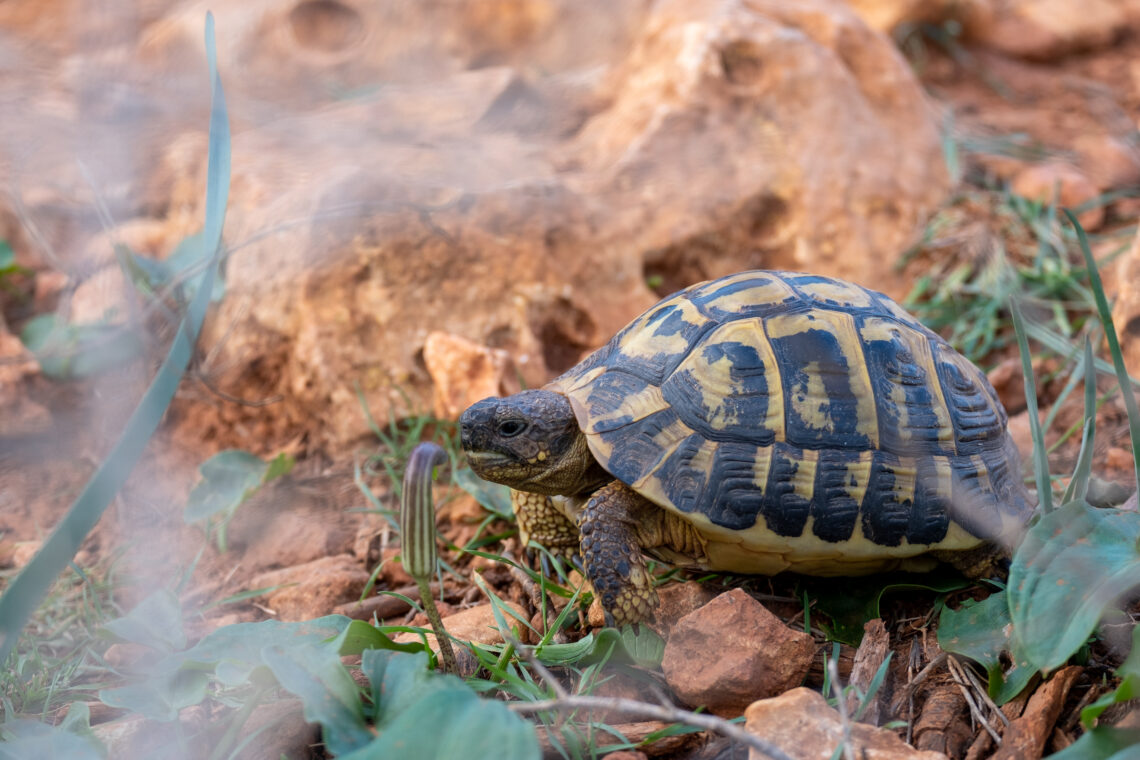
(841, 707)
(645, 710)
(564, 702)
(966, 687)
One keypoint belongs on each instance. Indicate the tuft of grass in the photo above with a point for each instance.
(59, 659)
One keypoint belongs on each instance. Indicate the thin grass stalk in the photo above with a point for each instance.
(1113, 343)
(1040, 458)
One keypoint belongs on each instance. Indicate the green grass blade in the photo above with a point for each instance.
(1113, 344)
(1040, 458)
(1079, 485)
(30, 586)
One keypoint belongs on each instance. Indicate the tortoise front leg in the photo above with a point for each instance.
(541, 521)
(616, 524)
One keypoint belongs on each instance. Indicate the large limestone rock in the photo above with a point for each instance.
(502, 172)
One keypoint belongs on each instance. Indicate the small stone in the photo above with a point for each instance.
(627, 754)
(314, 588)
(1117, 458)
(463, 372)
(475, 624)
(1009, 382)
(23, 552)
(733, 651)
(802, 724)
(1063, 184)
(676, 601)
(1048, 29)
(1108, 161)
(392, 571)
(1126, 306)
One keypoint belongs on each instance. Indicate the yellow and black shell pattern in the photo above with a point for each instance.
(801, 422)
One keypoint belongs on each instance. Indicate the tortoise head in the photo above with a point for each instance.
(531, 442)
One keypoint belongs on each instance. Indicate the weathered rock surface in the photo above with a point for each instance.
(1048, 29)
(1126, 308)
(314, 588)
(676, 600)
(463, 372)
(802, 724)
(733, 651)
(515, 179)
(22, 415)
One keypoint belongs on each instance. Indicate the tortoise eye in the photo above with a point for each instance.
(511, 428)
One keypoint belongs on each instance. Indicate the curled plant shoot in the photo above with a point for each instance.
(417, 529)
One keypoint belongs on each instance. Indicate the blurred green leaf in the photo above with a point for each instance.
(228, 478)
(1072, 566)
(982, 631)
(279, 466)
(1104, 743)
(314, 673)
(66, 351)
(72, 739)
(7, 257)
(1129, 688)
(156, 622)
(494, 497)
(160, 698)
(408, 698)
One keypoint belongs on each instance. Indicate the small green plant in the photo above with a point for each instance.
(228, 479)
(1069, 571)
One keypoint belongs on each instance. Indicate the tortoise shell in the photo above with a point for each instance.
(801, 422)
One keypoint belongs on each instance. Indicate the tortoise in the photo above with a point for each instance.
(760, 422)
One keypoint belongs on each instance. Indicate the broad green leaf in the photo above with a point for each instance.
(66, 351)
(24, 739)
(1104, 743)
(360, 636)
(159, 698)
(643, 649)
(850, 603)
(329, 696)
(1129, 688)
(156, 622)
(493, 497)
(1072, 566)
(228, 478)
(981, 631)
(408, 699)
(239, 646)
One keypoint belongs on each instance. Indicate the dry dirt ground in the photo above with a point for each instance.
(314, 525)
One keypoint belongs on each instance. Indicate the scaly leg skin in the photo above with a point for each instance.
(539, 520)
(616, 524)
